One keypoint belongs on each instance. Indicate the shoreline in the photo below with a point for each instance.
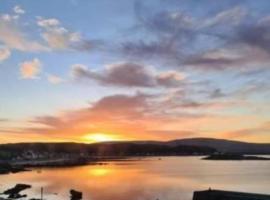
(9, 167)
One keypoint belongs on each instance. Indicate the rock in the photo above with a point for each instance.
(6, 168)
(75, 195)
(14, 193)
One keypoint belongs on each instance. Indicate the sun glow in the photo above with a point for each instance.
(99, 137)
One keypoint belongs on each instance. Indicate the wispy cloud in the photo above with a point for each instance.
(60, 38)
(54, 79)
(18, 10)
(222, 41)
(232, 16)
(259, 131)
(131, 116)
(4, 53)
(13, 37)
(54, 35)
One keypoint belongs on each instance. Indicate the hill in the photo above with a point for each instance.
(228, 146)
(55, 150)
(193, 146)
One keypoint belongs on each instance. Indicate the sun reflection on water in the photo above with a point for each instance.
(100, 171)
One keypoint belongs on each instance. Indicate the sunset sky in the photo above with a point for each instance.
(87, 71)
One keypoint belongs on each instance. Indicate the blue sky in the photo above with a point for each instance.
(187, 67)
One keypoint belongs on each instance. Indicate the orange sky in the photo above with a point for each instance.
(134, 70)
(139, 117)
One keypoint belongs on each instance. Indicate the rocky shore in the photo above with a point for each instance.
(6, 168)
(12, 166)
(15, 193)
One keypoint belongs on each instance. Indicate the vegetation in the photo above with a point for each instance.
(53, 150)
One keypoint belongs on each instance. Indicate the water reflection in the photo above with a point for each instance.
(98, 171)
(166, 179)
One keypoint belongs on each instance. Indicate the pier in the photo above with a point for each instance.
(227, 195)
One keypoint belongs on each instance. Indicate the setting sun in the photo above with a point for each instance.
(99, 137)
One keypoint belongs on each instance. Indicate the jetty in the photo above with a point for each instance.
(227, 195)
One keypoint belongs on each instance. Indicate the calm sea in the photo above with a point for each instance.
(168, 178)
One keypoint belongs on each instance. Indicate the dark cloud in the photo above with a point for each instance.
(255, 35)
(129, 75)
(226, 39)
(169, 33)
(88, 45)
(205, 63)
(151, 50)
(217, 93)
(246, 47)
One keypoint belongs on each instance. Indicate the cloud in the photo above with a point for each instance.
(54, 79)
(128, 115)
(255, 35)
(170, 78)
(164, 50)
(4, 53)
(54, 36)
(217, 93)
(217, 59)
(247, 47)
(110, 113)
(30, 69)
(253, 87)
(169, 33)
(232, 16)
(262, 129)
(231, 39)
(132, 116)
(14, 38)
(244, 46)
(58, 37)
(129, 75)
(47, 23)
(18, 10)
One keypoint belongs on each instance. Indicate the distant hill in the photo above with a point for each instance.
(53, 150)
(193, 146)
(228, 146)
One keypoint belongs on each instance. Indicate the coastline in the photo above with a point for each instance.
(7, 167)
(235, 157)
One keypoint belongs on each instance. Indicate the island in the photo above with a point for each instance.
(229, 156)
